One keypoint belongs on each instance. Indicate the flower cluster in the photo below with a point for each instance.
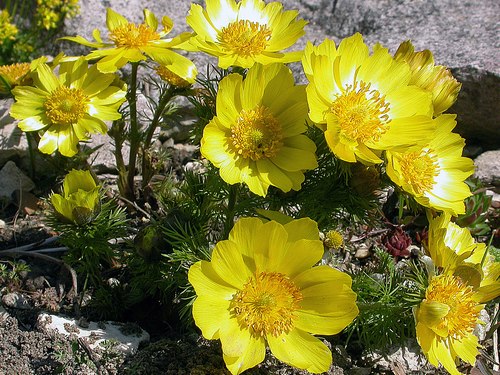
(376, 113)
(50, 13)
(467, 277)
(8, 31)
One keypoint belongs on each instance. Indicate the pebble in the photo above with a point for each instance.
(16, 301)
(362, 252)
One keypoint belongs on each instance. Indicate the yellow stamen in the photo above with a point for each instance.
(66, 105)
(334, 239)
(419, 169)
(464, 312)
(266, 304)
(256, 134)
(14, 74)
(362, 114)
(244, 37)
(133, 36)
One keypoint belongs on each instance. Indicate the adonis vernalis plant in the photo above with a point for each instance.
(129, 42)
(246, 32)
(261, 289)
(67, 107)
(80, 199)
(362, 102)
(445, 321)
(434, 174)
(257, 136)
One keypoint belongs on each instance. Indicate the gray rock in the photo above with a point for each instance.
(405, 359)
(15, 301)
(12, 179)
(488, 167)
(13, 142)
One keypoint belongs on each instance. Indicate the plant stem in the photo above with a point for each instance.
(134, 135)
(147, 172)
(231, 204)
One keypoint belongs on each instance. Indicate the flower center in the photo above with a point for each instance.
(419, 169)
(266, 304)
(133, 36)
(463, 314)
(66, 105)
(15, 74)
(256, 134)
(362, 114)
(244, 37)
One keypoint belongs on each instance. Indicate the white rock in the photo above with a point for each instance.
(96, 333)
(11, 179)
(406, 358)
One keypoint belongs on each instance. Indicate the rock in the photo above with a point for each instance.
(362, 252)
(12, 179)
(400, 359)
(15, 301)
(13, 142)
(103, 159)
(128, 336)
(488, 167)
(3, 314)
(482, 329)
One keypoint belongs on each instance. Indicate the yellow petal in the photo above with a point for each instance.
(209, 312)
(114, 20)
(228, 263)
(302, 350)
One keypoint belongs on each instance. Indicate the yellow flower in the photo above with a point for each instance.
(129, 42)
(14, 75)
(67, 107)
(445, 321)
(245, 33)
(363, 102)
(434, 78)
(259, 289)
(434, 173)
(454, 250)
(257, 136)
(8, 31)
(80, 200)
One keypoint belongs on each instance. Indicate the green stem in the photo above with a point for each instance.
(146, 161)
(231, 204)
(135, 137)
(32, 155)
(83, 290)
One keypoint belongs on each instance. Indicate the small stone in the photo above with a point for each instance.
(362, 252)
(2, 224)
(13, 179)
(488, 167)
(482, 329)
(15, 301)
